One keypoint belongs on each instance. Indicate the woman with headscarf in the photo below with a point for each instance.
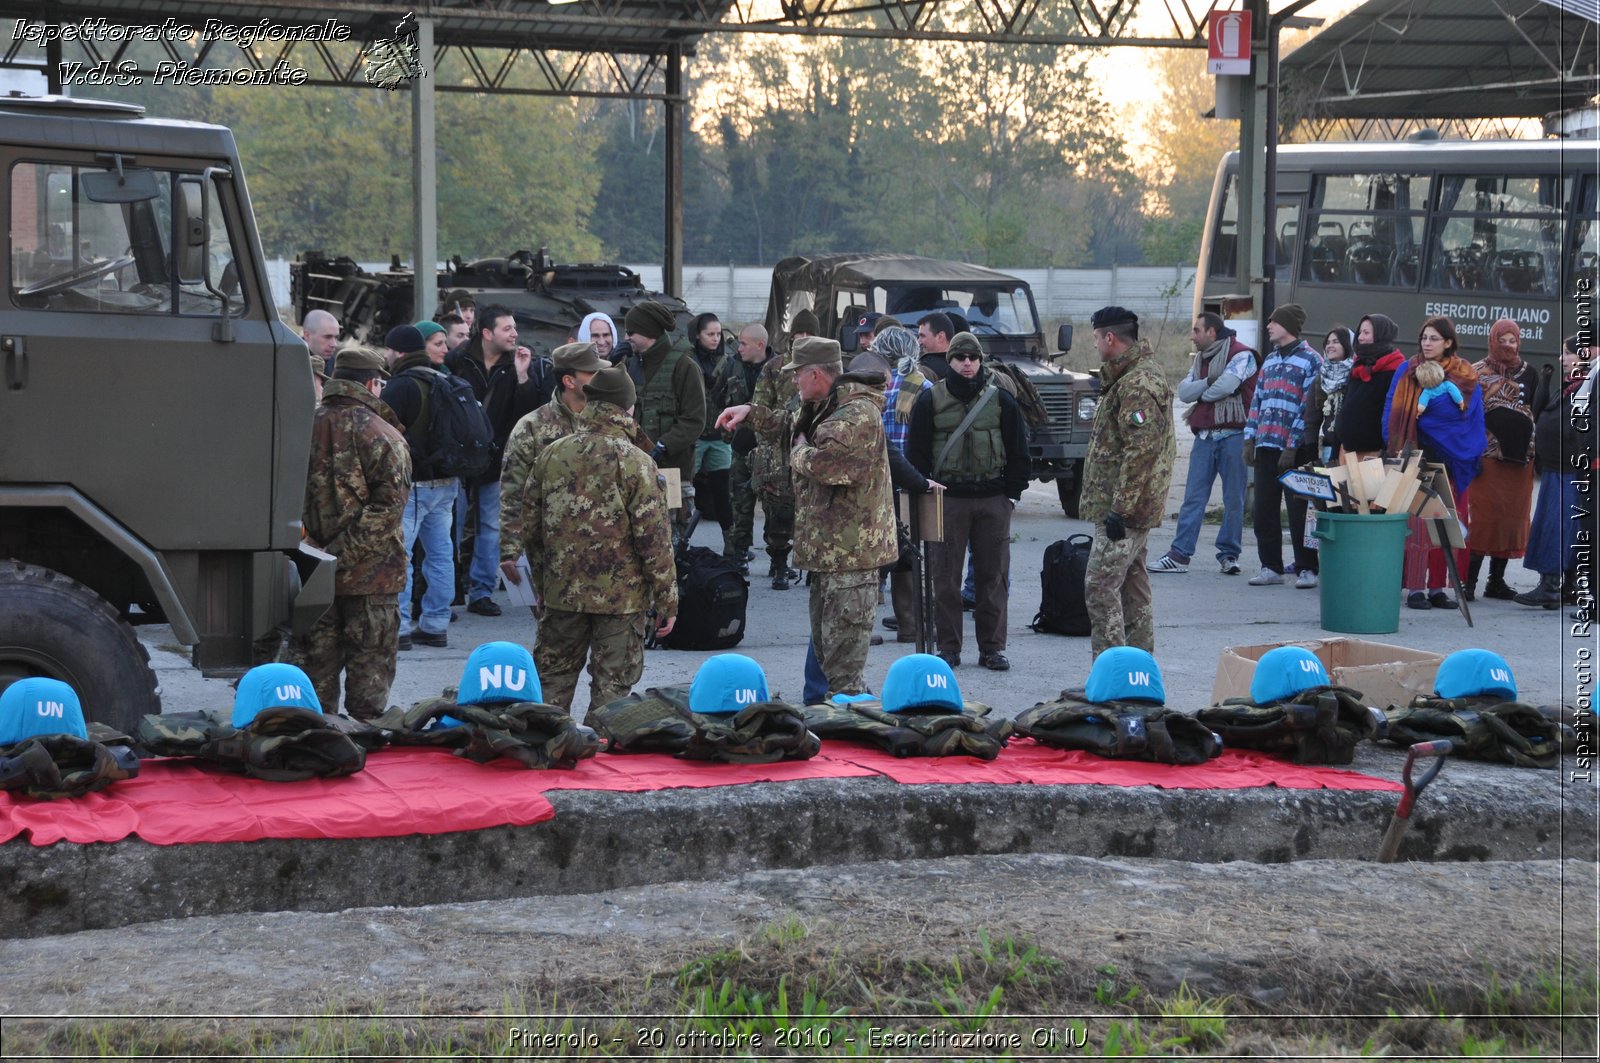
(601, 331)
(1447, 434)
(713, 455)
(1559, 520)
(1502, 496)
(1358, 425)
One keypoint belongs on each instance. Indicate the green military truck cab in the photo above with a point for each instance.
(999, 311)
(155, 414)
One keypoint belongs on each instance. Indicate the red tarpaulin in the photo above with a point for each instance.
(428, 791)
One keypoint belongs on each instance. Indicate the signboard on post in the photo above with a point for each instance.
(1228, 43)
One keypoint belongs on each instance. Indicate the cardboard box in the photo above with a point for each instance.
(1386, 675)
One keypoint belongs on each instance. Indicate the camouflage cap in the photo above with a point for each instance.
(319, 366)
(964, 343)
(361, 358)
(815, 350)
(612, 385)
(577, 357)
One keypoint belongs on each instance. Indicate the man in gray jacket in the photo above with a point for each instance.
(1220, 385)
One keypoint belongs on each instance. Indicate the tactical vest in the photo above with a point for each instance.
(533, 734)
(1317, 726)
(980, 453)
(661, 722)
(1486, 727)
(62, 765)
(657, 403)
(913, 733)
(1120, 730)
(280, 745)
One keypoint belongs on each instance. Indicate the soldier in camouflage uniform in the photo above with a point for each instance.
(360, 475)
(770, 475)
(844, 511)
(1126, 475)
(754, 354)
(599, 544)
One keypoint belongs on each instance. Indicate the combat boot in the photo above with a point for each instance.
(1546, 594)
(780, 572)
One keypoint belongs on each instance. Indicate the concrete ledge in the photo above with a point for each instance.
(602, 841)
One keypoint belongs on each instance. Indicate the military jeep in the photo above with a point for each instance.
(155, 418)
(996, 307)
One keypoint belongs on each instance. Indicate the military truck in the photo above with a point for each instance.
(996, 307)
(548, 300)
(155, 419)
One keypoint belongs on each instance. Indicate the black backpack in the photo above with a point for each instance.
(460, 439)
(1062, 609)
(712, 597)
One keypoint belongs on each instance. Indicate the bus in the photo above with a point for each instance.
(1473, 230)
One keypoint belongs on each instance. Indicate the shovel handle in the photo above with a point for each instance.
(1402, 814)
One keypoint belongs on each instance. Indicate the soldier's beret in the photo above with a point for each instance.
(1108, 316)
(360, 358)
(612, 385)
(964, 343)
(576, 357)
(649, 318)
(815, 350)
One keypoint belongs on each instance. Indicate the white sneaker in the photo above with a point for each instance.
(1230, 566)
(1265, 578)
(1167, 563)
(1305, 580)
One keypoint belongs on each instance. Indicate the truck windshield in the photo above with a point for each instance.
(74, 247)
(988, 311)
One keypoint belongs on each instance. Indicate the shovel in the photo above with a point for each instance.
(1402, 814)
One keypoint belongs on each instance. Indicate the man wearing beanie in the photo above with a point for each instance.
(355, 500)
(599, 544)
(844, 513)
(671, 406)
(429, 509)
(1126, 474)
(1274, 437)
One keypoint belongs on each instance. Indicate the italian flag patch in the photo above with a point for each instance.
(1136, 418)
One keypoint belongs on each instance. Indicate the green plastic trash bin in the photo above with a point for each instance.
(1361, 562)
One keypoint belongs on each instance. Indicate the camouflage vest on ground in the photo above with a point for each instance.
(280, 745)
(930, 733)
(661, 722)
(1479, 728)
(980, 452)
(535, 735)
(1317, 726)
(52, 766)
(657, 401)
(1121, 730)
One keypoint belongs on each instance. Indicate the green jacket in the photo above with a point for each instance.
(678, 421)
(1131, 446)
(356, 489)
(844, 508)
(595, 524)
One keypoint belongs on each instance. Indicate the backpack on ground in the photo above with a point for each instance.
(457, 439)
(713, 596)
(1319, 725)
(1062, 607)
(64, 765)
(1121, 730)
(1034, 413)
(1482, 727)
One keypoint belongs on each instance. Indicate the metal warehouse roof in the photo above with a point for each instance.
(1447, 59)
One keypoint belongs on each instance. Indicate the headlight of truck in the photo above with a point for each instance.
(1086, 407)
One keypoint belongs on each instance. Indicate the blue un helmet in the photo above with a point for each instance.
(1125, 673)
(1284, 672)
(727, 683)
(33, 707)
(499, 671)
(272, 686)
(1466, 673)
(920, 681)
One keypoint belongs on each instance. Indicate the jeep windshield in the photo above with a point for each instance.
(988, 310)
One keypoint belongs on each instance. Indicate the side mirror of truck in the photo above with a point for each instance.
(1064, 338)
(847, 337)
(190, 252)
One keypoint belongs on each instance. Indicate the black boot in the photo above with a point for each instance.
(1569, 589)
(1546, 594)
(780, 572)
(1498, 588)
(1470, 584)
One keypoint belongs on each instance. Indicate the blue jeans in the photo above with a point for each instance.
(1209, 458)
(484, 576)
(427, 516)
(816, 684)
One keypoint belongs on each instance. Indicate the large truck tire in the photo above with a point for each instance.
(56, 627)
(1070, 491)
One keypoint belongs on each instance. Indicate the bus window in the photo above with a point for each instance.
(1225, 238)
(1288, 229)
(1585, 267)
(1498, 234)
(1365, 229)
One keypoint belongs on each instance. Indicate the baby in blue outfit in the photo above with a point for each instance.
(1431, 376)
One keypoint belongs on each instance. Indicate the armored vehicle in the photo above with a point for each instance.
(155, 420)
(996, 307)
(548, 300)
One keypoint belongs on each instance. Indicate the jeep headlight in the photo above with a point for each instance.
(1086, 407)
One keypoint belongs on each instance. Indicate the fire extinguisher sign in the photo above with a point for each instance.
(1228, 38)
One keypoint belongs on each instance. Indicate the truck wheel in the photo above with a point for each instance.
(1070, 491)
(55, 627)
